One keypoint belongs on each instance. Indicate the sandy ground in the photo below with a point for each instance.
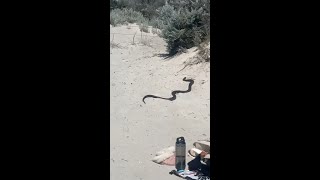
(139, 130)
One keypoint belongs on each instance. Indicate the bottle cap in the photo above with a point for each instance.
(180, 140)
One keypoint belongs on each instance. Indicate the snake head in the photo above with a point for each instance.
(185, 78)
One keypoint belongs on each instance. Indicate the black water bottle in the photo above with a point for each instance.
(180, 154)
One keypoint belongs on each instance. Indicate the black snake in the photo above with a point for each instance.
(173, 92)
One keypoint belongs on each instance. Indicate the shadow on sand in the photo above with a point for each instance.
(165, 56)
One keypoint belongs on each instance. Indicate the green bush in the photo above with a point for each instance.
(187, 29)
(124, 16)
(147, 8)
(165, 15)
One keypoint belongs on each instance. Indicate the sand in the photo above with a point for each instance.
(139, 130)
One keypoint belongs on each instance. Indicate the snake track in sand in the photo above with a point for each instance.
(191, 82)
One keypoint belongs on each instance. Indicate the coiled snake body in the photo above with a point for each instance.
(173, 92)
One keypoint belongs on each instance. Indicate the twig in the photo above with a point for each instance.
(133, 37)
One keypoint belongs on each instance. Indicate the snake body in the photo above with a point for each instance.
(173, 93)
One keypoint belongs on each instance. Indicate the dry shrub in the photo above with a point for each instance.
(145, 41)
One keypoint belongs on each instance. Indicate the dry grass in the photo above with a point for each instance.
(203, 56)
(145, 41)
(204, 51)
(114, 45)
